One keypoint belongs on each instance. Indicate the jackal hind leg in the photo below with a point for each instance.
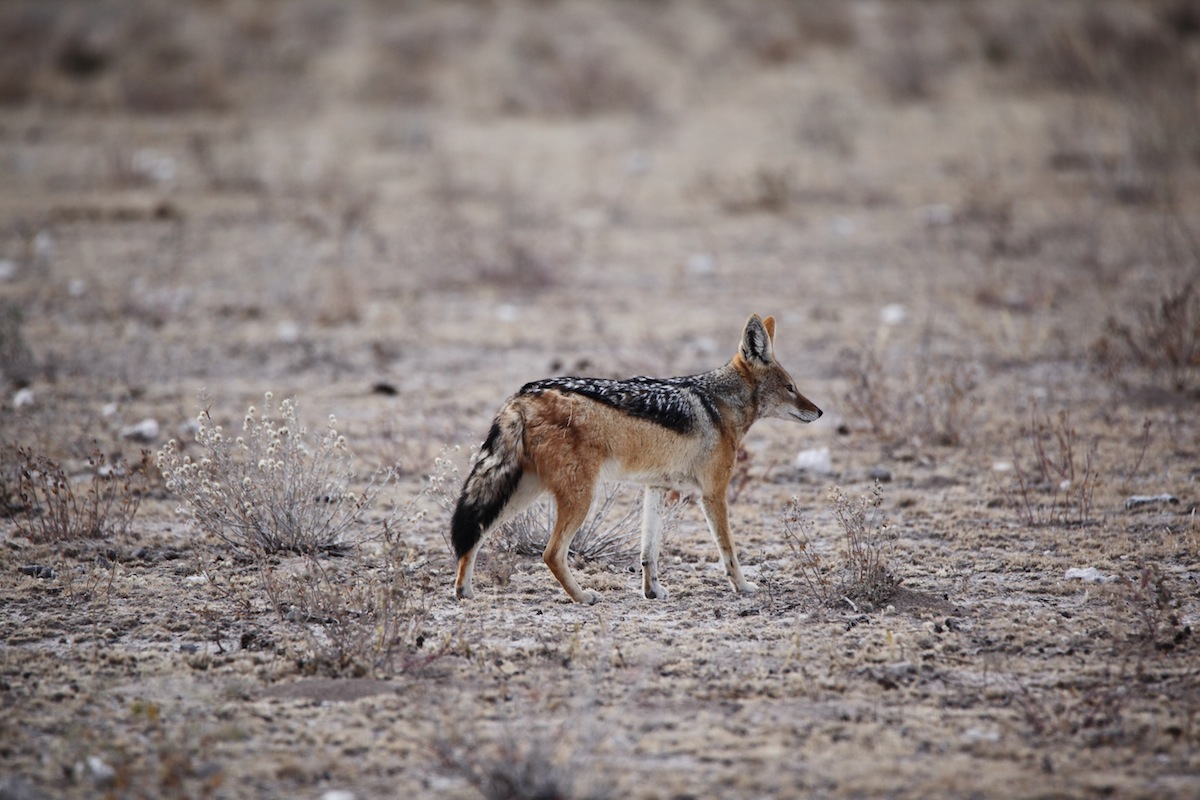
(572, 505)
(652, 511)
(528, 490)
(716, 511)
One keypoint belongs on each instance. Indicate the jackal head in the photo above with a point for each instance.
(775, 389)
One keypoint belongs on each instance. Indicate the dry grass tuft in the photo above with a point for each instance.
(928, 405)
(56, 510)
(609, 535)
(1165, 339)
(1057, 489)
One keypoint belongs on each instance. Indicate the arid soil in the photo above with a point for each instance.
(976, 225)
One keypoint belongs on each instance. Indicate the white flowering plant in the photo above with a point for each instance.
(272, 488)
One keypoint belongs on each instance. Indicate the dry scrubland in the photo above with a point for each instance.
(977, 223)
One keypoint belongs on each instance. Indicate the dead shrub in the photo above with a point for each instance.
(575, 76)
(529, 762)
(1058, 488)
(862, 575)
(1150, 599)
(54, 509)
(1165, 338)
(927, 405)
(914, 55)
(1096, 712)
(274, 488)
(780, 32)
(360, 619)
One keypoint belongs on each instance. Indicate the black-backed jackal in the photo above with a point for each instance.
(563, 435)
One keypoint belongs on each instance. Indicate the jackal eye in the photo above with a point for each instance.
(791, 388)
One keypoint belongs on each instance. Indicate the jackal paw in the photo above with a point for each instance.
(588, 598)
(464, 592)
(656, 593)
(746, 587)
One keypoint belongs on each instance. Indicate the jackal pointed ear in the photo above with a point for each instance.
(756, 340)
(769, 324)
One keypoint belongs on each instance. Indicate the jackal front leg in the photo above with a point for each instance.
(652, 511)
(716, 511)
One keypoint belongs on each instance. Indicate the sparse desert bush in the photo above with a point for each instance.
(1059, 486)
(610, 533)
(572, 75)
(360, 619)
(528, 764)
(1165, 338)
(929, 404)
(862, 577)
(55, 509)
(1150, 599)
(273, 488)
(779, 32)
(1096, 711)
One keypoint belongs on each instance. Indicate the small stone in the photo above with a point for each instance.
(1139, 500)
(700, 265)
(144, 431)
(893, 314)
(339, 794)
(8, 269)
(1088, 575)
(816, 460)
(881, 474)
(38, 571)
(288, 331)
(100, 771)
(23, 397)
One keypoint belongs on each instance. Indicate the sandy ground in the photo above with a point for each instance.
(399, 214)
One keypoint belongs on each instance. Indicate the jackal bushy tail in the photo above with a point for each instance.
(492, 481)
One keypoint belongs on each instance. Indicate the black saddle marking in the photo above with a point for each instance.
(664, 401)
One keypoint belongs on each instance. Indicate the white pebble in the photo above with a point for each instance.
(288, 331)
(1088, 575)
(23, 397)
(815, 460)
(893, 314)
(144, 431)
(700, 265)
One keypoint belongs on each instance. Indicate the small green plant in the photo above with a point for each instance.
(56, 509)
(274, 488)
(862, 578)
